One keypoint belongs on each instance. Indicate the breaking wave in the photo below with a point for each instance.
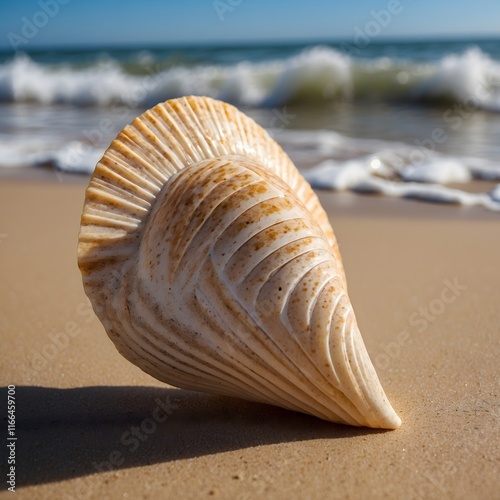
(318, 74)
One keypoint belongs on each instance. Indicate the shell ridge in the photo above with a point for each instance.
(188, 136)
(341, 359)
(131, 182)
(271, 389)
(129, 155)
(201, 132)
(235, 258)
(277, 348)
(201, 229)
(185, 148)
(167, 153)
(256, 296)
(179, 356)
(280, 376)
(129, 205)
(217, 128)
(145, 135)
(276, 255)
(391, 420)
(289, 333)
(197, 226)
(260, 241)
(330, 304)
(287, 323)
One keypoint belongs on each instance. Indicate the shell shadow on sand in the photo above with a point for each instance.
(68, 433)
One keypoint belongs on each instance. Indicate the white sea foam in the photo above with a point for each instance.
(316, 74)
(384, 167)
(426, 192)
(26, 151)
(437, 170)
(360, 176)
(76, 157)
(341, 163)
(71, 157)
(23, 80)
(370, 174)
(495, 193)
(341, 176)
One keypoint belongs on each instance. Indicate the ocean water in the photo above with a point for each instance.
(407, 119)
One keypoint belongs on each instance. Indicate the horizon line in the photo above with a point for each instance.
(252, 43)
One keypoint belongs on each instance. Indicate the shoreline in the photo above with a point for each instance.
(346, 202)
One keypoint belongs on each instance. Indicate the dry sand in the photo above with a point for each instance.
(436, 352)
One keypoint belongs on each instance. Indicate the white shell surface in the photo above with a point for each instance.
(213, 267)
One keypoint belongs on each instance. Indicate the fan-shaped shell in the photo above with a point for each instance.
(213, 267)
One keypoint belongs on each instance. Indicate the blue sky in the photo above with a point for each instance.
(125, 22)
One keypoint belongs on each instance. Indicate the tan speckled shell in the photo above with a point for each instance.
(212, 266)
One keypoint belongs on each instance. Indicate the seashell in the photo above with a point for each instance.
(213, 267)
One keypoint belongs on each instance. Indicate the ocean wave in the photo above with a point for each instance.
(316, 75)
(337, 163)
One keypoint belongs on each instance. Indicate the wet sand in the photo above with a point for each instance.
(424, 282)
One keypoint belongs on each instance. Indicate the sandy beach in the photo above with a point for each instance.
(423, 280)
